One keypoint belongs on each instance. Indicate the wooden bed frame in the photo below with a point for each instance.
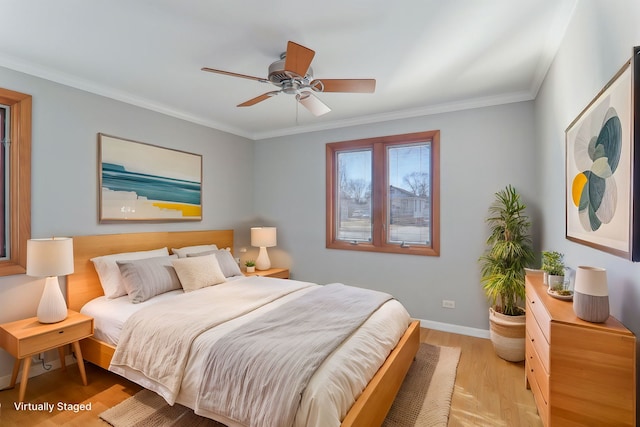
(83, 285)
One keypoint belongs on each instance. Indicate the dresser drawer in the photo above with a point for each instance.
(536, 307)
(537, 338)
(55, 338)
(536, 370)
(541, 404)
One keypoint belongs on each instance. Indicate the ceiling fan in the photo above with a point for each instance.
(294, 76)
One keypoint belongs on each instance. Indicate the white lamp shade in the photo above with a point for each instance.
(263, 237)
(591, 281)
(50, 257)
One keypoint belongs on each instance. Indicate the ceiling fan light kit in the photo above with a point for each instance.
(293, 74)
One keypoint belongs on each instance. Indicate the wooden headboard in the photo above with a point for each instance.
(83, 285)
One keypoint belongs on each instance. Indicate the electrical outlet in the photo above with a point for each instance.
(36, 358)
(446, 303)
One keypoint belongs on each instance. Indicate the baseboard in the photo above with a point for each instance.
(455, 329)
(37, 369)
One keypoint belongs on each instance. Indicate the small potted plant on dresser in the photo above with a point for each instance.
(553, 266)
(509, 251)
(251, 265)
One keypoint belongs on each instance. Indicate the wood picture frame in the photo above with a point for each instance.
(144, 182)
(602, 168)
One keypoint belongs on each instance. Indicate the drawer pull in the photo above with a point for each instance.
(61, 332)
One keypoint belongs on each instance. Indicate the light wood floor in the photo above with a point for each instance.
(488, 391)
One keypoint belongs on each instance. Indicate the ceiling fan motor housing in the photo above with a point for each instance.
(282, 78)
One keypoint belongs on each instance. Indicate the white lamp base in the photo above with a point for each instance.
(263, 262)
(52, 308)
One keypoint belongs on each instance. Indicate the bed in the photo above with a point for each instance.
(369, 407)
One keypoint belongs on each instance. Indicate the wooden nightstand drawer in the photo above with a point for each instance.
(26, 337)
(23, 338)
(278, 273)
(54, 338)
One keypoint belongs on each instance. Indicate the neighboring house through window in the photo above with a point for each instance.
(383, 194)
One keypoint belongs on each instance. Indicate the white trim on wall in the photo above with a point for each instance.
(455, 329)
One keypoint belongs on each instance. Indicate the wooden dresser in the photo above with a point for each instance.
(580, 373)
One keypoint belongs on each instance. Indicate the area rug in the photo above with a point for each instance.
(424, 400)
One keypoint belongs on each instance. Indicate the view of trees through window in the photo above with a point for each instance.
(354, 201)
(407, 198)
(382, 192)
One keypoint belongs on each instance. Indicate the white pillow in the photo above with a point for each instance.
(198, 272)
(185, 251)
(109, 273)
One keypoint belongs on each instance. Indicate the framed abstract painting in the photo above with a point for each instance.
(602, 168)
(144, 182)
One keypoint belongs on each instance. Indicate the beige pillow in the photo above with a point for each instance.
(198, 272)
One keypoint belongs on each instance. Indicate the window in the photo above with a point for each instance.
(15, 175)
(383, 194)
(4, 131)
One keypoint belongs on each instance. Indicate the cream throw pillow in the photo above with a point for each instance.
(227, 264)
(198, 272)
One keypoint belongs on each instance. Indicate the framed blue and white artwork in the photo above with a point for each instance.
(144, 182)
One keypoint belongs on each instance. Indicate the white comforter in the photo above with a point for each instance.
(336, 384)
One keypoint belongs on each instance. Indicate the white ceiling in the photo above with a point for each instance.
(426, 55)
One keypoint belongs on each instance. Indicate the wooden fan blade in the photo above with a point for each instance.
(257, 99)
(298, 59)
(347, 85)
(229, 73)
(313, 104)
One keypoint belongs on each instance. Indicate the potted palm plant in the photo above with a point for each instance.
(509, 251)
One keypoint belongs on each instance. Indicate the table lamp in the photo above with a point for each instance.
(263, 238)
(50, 258)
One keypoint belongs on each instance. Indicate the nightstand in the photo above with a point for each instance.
(280, 273)
(24, 338)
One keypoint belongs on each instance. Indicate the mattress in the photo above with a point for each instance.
(333, 388)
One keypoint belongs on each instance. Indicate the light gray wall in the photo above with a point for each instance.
(482, 150)
(64, 173)
(598, 42)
